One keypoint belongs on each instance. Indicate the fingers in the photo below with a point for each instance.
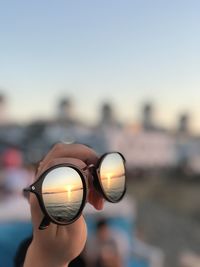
(78, 151)
(95, 199)
(37, 217)
(78, 232)
(56, 161)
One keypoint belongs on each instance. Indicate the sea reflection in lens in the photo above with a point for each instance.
(62, 192)
(112, 176)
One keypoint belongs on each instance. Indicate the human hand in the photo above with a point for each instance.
(58, 245)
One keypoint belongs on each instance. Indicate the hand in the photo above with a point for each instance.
(58, 245)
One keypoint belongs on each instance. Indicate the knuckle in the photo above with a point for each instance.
(33, 201)
(57, 147)
(82, 146)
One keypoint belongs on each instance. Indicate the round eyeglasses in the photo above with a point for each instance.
(62, 189)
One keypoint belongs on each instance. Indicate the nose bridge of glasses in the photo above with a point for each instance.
(90, 173)
(90, 167)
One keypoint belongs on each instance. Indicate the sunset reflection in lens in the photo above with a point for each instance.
(112, 176)
(62, 192)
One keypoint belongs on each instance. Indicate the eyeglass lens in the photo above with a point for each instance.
(62, 192)
(112, 176)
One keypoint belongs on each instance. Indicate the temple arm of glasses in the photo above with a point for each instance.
(44, 223)
(26, 191)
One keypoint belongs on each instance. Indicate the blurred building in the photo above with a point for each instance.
(107, 115)
(65, 110)
(189, 154)
(146, 150)
(148, 117)
(3, 109)
(183, 124)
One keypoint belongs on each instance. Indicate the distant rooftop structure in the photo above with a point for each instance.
(147, 116)
(64, 112)
(107, 114)
(2, 98)
(183, 123)
(145, 149)
(3, 109)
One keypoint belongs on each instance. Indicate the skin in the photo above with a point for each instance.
(58, 245)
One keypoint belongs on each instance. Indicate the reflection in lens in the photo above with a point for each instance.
(112, 176)
(62, 192)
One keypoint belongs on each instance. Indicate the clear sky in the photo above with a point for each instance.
(126, 51)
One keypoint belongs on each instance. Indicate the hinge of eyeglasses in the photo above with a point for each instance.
(44, 224)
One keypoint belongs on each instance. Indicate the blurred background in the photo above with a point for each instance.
(115, 75)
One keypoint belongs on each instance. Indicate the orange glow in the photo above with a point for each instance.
(69, 191)
(109, 175)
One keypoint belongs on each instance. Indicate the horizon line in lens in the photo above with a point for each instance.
(64, 191)
(113, 177)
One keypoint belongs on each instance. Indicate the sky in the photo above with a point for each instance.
(122, 51)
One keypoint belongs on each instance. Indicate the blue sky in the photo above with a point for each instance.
(126, 51)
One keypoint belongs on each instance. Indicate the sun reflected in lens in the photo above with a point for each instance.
(69, 191)
(62, 192)
(109, 177)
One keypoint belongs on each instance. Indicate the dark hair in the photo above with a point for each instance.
(21, 252)
(101, 223)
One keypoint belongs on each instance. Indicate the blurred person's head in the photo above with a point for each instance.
(102, 229)
(12, 158)
(15, 175)
(109, 256)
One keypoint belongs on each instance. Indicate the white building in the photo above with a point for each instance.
(145, 149)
